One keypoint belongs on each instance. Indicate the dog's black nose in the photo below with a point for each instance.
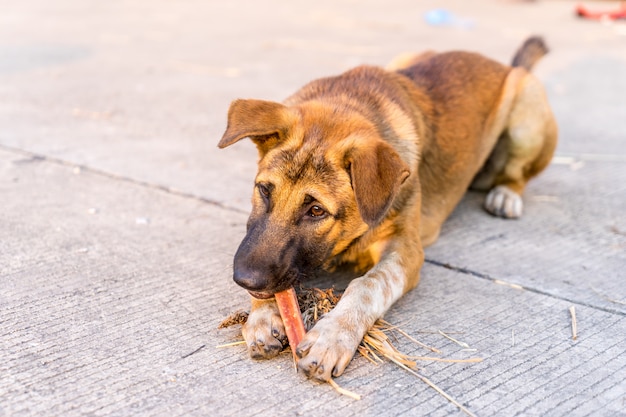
(251, 280)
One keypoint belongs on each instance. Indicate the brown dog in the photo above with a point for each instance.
(358, 172)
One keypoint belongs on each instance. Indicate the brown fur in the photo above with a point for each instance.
(358, 172)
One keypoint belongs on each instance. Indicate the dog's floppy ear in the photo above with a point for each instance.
(265, 122)
(377, 172)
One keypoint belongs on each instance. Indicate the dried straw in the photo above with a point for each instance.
(612, 300)
(375, 346)
(237, 343)
(462, 344)
(343, 391)
(236, 317)
(572, 311)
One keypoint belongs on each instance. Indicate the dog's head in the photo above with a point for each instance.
(325, 177)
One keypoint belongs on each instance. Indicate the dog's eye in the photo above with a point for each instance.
(264, 190)
(316, 211)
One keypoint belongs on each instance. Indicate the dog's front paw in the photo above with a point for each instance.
(504, 202)
(264, 332)
(327, 349)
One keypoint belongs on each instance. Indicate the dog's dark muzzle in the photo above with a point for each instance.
(251, 279)
(259, 283)
(261, 267)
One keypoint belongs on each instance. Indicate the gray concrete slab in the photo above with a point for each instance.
(110, 286)
(125, 88)
(571, 242)
(119, 217)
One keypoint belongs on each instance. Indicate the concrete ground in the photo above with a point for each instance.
(119, 216)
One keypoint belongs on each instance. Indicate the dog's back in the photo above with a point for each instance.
(462, 91)
(469, 98)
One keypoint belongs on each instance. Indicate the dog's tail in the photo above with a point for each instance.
(530, 52)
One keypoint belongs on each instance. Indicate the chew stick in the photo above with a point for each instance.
(287, 301)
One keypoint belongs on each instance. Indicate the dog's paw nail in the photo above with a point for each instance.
(310, 369)
(254, 351)
(302, 350)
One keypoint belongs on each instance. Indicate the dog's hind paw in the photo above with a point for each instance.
(504, 202)
(264, 332)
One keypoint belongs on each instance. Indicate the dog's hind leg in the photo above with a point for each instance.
(523, 150)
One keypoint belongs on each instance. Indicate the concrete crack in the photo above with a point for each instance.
(487, 277)
(36, 157)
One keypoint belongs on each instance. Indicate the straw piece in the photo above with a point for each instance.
(428, 358)
(436, 388)
(572, 311)
(343, 391)
(239, 342)
(412, 339)
(607, 298)
(462, 344)
(370, 356)
(508, 284)
(377, 342)
(437, 332)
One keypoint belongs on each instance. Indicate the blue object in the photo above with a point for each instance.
(438, 17)
(443, 17)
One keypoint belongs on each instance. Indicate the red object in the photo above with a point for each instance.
(585, 13)
(292, 319)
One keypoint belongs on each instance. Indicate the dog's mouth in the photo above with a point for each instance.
(261, 295)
